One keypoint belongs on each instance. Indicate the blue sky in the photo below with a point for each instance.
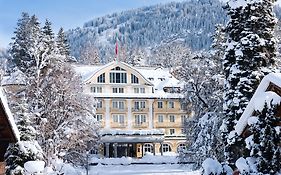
(62, 13)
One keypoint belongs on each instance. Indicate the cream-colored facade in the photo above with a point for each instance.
(139, 109)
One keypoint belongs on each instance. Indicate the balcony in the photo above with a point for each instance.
(117, 110)
(100, 109)
(168, 124)
(118, 125)
(140, 109)
(140, 125)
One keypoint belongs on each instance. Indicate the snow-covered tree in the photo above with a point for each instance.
(203, 92)
(169, 55)
(263, 144)
(61, 115)
(250, 54)
(62, 44)
(89, 55)
(27, 149)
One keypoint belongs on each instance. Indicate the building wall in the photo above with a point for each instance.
(167, 116)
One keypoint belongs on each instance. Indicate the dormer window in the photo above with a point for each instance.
(134, 79)
(101, 78)
(161, 79)
(118, 68)
(117, 75)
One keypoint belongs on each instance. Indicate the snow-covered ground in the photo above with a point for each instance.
(171, 169)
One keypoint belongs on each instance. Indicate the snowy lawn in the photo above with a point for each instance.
(174, 169)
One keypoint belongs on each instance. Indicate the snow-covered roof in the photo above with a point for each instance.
(132, 136)
(132, 132)
(9, 115)
(258, 100)
(15, 78)
(156, 76)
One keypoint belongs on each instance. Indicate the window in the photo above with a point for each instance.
(101, 78)
(99, 104)
(118, 68)
(147, 148)
(172, 131)
(98, 117)
(181, 147)
(118, 118)
(183, 106)
(117, 77)
(165, 147)
(183, 119)
(118, 90)
(118, 104)
(136, 90)
(171, 104)
(142, 90)
(139, 90)
(134, 79)
(139, 105)
(172, 118)
(160, 104)
(140, 119)
(160, 118)
(182, 131)
(96, 89)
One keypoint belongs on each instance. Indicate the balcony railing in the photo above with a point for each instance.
(118, 110)
(118, 125)
(168, 124)
(141, 125)
(140, 109)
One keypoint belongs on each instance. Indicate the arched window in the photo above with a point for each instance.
(181, 147)
(134, 79)
(101, 78)
(147, 148)
(166, 148)
(118, 75)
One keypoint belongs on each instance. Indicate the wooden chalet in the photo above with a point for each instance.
(270, 83)
(8, 130)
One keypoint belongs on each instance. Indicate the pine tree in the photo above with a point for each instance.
(250, 54)
(27, 149)
(264, 144)
(20, 45)
(62, 44)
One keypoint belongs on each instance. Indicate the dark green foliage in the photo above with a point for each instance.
(266, 141)
(250, 54)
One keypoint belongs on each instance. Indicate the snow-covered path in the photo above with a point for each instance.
(164, 169)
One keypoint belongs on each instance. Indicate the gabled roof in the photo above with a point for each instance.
(8, 129)
(157, 77)
(87, 74)
(259, 96)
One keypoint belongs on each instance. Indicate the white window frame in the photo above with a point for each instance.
(118, 118)
(166, 147)
(96, 89)
(118, 90)
(172, 118)
(160, 118)
(172, 131)
(171, 104)
(160, 104)
(118, 104)
(140, 119)
(99, 104)
(139, 104)
(99, 117)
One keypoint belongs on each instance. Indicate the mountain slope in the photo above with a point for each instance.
(192, 21)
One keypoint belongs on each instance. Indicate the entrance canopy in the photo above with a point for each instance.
(132, 136)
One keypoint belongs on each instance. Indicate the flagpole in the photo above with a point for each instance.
(116, 48)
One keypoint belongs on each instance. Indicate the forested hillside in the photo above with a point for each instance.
(192, 22)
